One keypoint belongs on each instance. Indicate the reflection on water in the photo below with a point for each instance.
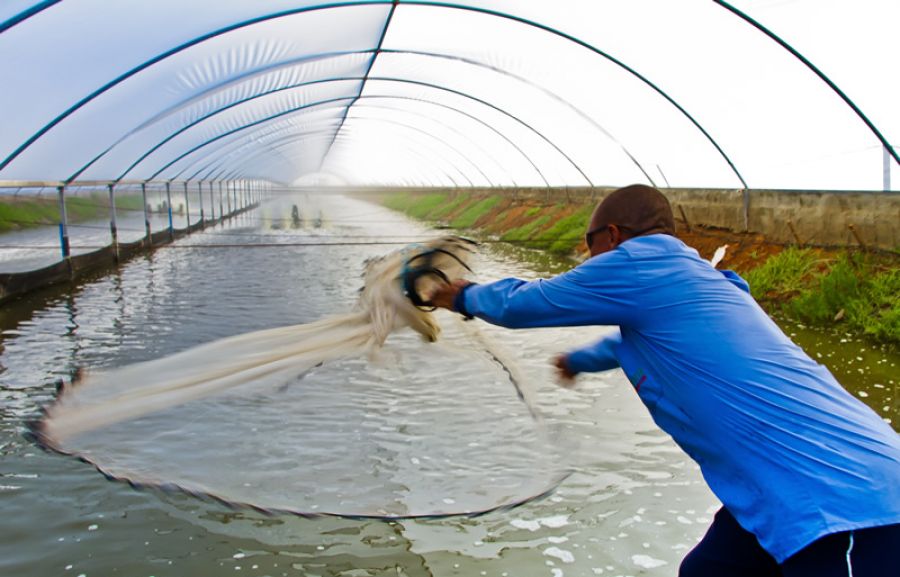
(633, 506)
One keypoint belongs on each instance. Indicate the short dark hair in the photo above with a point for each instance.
(638, 209)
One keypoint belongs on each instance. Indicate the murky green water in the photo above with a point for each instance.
(634, 505)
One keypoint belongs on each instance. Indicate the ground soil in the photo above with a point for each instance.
(745, 250)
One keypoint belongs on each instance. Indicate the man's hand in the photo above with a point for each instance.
(563, 372)
(445, 294)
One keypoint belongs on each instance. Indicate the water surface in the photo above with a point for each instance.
(634, 504)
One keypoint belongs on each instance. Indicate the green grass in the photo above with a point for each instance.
(527, 230)
(853, 290)
(782, 274)
(447, 208)
(564, 236)
(25, 213)
(417, 206)
(468, 217)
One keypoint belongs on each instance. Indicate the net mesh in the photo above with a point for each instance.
(325, 418)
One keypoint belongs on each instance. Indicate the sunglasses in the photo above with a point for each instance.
(589, 235)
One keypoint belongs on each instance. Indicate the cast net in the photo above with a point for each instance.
(329, 417)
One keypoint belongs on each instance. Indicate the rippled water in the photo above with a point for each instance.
(633, 506)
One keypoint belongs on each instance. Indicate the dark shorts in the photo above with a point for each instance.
(727, 550)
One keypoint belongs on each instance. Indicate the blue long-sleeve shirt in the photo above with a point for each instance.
(789, 452)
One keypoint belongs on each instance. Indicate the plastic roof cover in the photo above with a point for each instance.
(761, 94)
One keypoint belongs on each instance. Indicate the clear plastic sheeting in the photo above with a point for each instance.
(764, 94)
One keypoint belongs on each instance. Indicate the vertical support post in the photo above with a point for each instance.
(886, 174)
(63, 223)
(746, 195)
(221, 209)
(169, 202)
(147, 236)
(187, 208)
(200, 197)
(228, 196)
(113, 230)
(212, 204)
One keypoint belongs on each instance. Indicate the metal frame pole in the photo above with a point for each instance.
(227, 199)
(212, 204)
(187, 207)
(113, 230)
(63, 223)
(169, 202)
(146, 214)
(886, 174)
(221, 209)
(200, 194)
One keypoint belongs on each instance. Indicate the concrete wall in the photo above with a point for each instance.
(812, 217)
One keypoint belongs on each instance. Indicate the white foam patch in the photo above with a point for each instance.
(561, 554)
(647, 562)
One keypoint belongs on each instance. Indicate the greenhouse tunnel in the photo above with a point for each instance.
(495, 93)
(225, 102)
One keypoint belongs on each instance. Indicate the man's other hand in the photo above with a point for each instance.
(563, 372)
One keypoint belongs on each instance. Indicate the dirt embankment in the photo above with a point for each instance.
(535, 222)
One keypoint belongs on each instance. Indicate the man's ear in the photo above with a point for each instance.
(615, 235)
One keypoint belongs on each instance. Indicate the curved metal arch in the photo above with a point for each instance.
(218, 162)
(429, 178)
(293, 137)
(418, 83)
(171, 52)
(413, 152)
(282, 14)
(325, 136)
(26, 14)
(756, 24)
(436, 173)
(290, 139)
(215, 158)
(362, 85)
(595, 50)
(583, 115)
(303, 60)
(291, 63)
(221, 86)
(475, 144)
(302, 84)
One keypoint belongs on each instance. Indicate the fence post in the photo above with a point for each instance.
(112, 221)
(200, 195)
(221, 204)
(212, 204)
(169, 202)
(746, 198)
(147, 234)
(63, 222)
(187, 208)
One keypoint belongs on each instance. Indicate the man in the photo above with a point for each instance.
(808, 475)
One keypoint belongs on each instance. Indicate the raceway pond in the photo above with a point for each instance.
(633, 505)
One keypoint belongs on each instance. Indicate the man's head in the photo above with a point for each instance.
(635, 210)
